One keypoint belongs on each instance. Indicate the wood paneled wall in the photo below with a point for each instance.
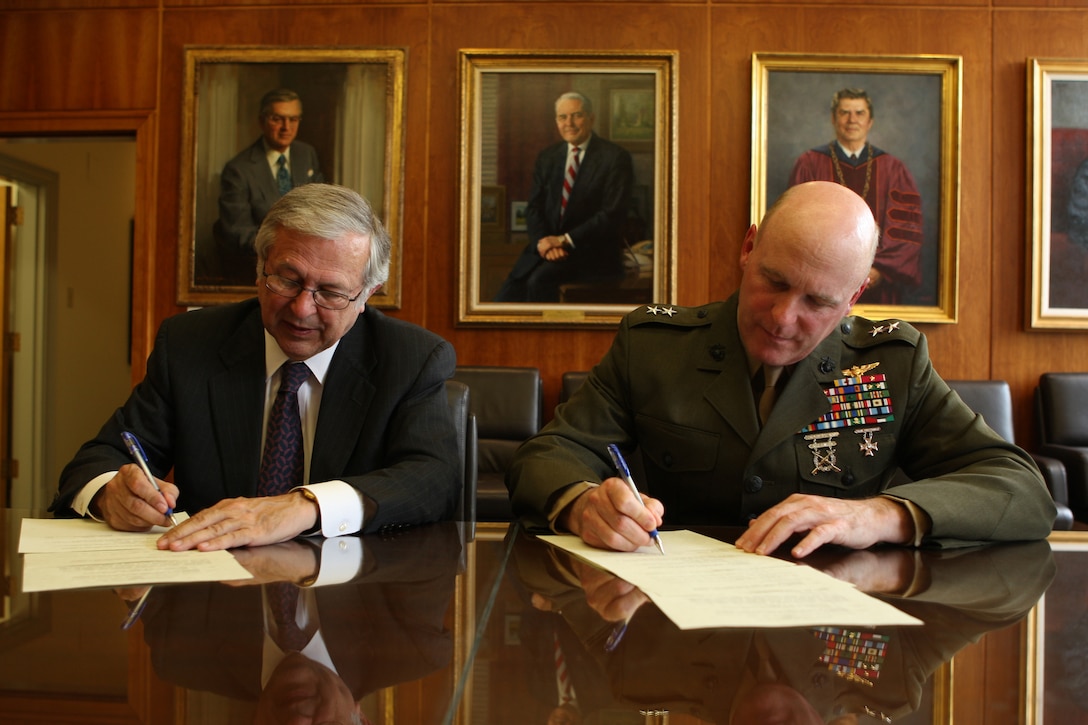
(115, 66)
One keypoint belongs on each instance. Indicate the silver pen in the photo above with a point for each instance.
(625, 474)
(136, 451)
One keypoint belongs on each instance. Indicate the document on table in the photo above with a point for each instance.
(78, 553)
(704, 583)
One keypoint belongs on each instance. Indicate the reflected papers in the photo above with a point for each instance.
(77, 553)
(706, 583)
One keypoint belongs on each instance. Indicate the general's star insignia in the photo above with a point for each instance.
(653, 310)
(670, 311)
(890, 327)
(858, 370)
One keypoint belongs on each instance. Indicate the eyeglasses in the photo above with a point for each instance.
(576, 116)
(289, 120)
(322, 298)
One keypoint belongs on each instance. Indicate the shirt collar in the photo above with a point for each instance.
(273, 155)
(274, 358)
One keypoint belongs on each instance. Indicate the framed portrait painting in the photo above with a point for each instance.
(1058, 154)
(332, 115)
(1056, 639)
(583, 146)
(887, 127)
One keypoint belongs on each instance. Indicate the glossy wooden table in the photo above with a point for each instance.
(442, 628)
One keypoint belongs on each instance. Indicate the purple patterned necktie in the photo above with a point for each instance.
(283, 602)
(281, 465)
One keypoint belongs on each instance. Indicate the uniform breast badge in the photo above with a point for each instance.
(860, 398)
(822, 446)
(868, 446)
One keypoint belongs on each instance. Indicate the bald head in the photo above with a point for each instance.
(804, 268)
(824, 220)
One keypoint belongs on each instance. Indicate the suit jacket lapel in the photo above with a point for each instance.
(237, 401)
(728, 393)
(588, 168)
(266, 182)
(802, 400)
(345, 399)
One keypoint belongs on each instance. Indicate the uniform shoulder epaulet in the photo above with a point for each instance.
(860, 332)
(673, 315)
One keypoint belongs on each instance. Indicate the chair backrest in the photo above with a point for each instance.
(991, 399)
(458, 396)
(1063, 408)
(507, 403)
(571, 382)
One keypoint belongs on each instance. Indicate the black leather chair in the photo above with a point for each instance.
(458, 395)
(1062, 417)
(571, 381)
(992, 400)
(507, 403)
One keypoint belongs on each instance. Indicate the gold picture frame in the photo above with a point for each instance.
(353, 102)
(1051, 626)
(507, 119)
(916, 105)
(1057, 153)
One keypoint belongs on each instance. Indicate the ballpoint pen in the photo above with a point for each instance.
(136, 611)
(137, 452)
(625, 474)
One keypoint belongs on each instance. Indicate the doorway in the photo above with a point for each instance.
(68, 299)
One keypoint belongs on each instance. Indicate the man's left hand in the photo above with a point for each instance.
(243, 522)
(857, 524)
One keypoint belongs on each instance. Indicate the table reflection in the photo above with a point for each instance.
(383, 626)
(805, 675)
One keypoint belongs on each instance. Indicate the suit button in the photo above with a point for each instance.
(753, 484)
(848, 478)
(667, 460)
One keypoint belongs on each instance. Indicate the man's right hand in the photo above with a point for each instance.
(610, 517)
(552, 248)
(130, 503)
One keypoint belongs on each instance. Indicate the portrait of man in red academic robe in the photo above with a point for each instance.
(886, 184)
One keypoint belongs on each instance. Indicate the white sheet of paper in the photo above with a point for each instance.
(78, 553)
(703, 583)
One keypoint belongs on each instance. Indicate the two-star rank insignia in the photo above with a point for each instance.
(890, 327)
(655, 310)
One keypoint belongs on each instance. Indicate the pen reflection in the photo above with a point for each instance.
(741, 676)
(383, 627)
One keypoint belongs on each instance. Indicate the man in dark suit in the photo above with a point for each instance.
(254, 179)
(375, 438)
(371, 611)
(577, 206)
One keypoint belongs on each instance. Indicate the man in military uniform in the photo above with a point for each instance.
(856, 400)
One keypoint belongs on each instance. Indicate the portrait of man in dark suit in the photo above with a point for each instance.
(576, 210)
(264, 171)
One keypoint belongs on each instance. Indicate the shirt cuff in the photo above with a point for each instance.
(917, 515)
(570, 242)
(341, 560)
(340, 506)
(81, 504)
(564, 499)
